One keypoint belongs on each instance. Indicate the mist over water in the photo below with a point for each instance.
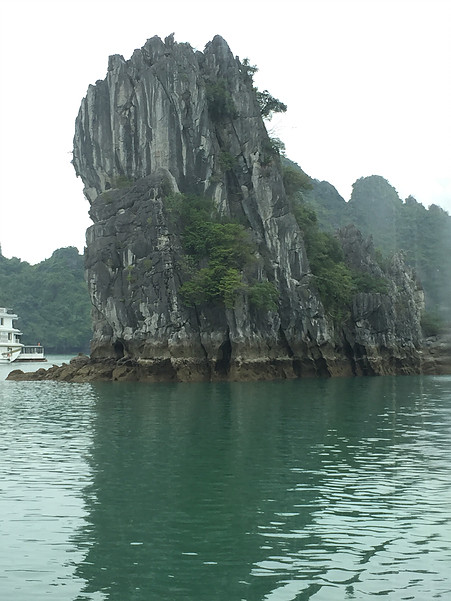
(309, 489)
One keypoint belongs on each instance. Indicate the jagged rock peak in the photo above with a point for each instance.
(151, 111)
(374, 189)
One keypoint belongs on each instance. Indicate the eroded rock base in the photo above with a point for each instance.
(433, 359)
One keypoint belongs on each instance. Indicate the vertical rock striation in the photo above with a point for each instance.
(174, 120)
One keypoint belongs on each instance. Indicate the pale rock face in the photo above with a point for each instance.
(146, 130)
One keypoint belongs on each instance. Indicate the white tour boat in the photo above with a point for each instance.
(11, 349)
(10, 345)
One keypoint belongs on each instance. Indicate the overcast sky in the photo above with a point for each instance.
(367, 84)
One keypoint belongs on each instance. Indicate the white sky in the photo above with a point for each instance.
(367, 84)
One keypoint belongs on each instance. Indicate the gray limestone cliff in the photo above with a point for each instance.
(172, 120)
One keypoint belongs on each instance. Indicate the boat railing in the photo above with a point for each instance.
(35, 350)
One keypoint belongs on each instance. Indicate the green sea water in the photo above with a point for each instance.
(330, 490)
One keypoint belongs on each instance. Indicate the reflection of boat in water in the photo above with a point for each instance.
(11, 349)
(10, 345)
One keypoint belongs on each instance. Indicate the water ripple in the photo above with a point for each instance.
(324, 490)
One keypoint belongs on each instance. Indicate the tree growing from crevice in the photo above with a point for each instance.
(217, 254)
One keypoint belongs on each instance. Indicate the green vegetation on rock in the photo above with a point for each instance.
(423, 234)
(219, 100)
(217, 254)
(266, 101)
(335, 281)
(264, 296)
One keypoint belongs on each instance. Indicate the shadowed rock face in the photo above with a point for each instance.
(383, 334)
(150, 129)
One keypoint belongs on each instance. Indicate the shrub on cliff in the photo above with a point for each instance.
(267, 102)
(219, 100)
(263, 296)
(218, 252)
(335, 281)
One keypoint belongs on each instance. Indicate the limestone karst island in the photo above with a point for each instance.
(205, 260)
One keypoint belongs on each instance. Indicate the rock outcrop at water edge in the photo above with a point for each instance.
(171, 122)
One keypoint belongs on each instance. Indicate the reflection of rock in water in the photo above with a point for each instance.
(169, 504)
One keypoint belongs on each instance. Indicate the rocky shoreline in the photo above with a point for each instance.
(434, 358)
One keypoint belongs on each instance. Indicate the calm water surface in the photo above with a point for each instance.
(330, 490)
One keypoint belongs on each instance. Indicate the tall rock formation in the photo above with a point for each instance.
(169, 121)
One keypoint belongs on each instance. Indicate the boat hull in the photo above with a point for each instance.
(10, 352)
